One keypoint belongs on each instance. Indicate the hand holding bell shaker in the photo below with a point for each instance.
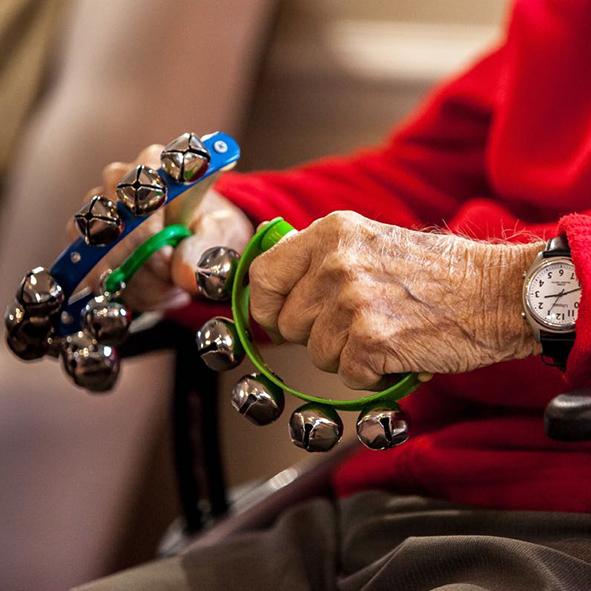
(52, 315)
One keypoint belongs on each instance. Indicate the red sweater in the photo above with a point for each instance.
(502, 151)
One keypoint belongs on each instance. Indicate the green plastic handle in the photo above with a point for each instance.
(263, 240)
(169, 236)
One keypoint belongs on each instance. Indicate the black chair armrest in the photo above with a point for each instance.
(568, 416)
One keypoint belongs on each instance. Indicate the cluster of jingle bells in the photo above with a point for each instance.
(313, 427)
(90, 356)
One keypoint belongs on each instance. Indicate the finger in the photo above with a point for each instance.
(355, 371)
(159, 264)
(150, 156)
(300, 310)
(147, 292)
(273, 275)
(94, 191)
(328, 336)
(112, 174)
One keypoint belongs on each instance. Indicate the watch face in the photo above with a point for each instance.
(553, 294)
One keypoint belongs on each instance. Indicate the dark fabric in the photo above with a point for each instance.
(374, 541)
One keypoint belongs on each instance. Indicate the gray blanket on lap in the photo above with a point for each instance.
(374, 541)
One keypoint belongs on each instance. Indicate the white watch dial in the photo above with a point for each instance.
(554, 294)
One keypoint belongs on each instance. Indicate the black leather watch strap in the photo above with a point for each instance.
(557, 346)
(557, 247)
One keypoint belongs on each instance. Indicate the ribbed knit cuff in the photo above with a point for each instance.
(578, 231)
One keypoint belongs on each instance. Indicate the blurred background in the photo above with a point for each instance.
(87, 483)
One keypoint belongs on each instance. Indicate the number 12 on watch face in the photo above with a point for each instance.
(554, 294)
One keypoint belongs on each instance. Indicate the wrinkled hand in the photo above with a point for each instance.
(370, 299)
(167, 280)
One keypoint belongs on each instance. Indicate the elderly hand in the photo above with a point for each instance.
(167, 280)
(369, 299)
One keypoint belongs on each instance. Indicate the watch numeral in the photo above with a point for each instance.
(561, 272)
(549, 274)
(537, 294)
(576, 305)
(540, 305)
(541, 283)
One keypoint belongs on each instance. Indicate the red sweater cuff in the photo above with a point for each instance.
(577, 228)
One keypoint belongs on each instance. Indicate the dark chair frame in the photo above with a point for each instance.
(194, 412)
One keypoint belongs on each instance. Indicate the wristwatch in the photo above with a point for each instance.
(551, 297)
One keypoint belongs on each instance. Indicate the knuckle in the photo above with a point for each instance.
(340, 219)
(353, 296)
(364, 331)
(337, 266)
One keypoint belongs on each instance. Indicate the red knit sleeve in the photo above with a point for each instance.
(421, 175)
(578, 231)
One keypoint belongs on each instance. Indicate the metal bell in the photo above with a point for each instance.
(382, 427)
(142, 191)
(55, 344)
(40, 294)
(99, 222)
(314, 427)
(215, 272)
(218, 344)
(90, 365)
(106, 322)
(26, 336)
(186, 158)
(257, 398)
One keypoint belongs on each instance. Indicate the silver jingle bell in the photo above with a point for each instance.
(106, 322)
(55, 344)
(40, 294)
(215, 272)
(218, 344)
(90, 365)
(381, 427)
(99, 222)
(258, 399)
(142, 191)
(186, 158)
(26, 336)
(314, 427)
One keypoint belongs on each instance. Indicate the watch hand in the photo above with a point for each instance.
(562, 293)
(571, 291)
(556, 301)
